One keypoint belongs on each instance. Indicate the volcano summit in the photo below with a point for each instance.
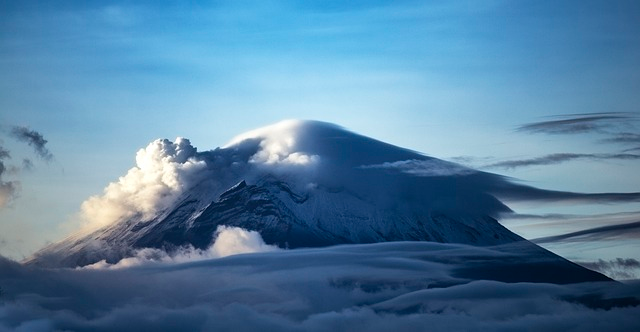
(297, 184)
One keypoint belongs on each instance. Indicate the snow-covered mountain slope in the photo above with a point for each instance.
(297, 183)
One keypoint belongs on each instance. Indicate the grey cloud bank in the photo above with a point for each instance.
(9, 189)
(33, 139)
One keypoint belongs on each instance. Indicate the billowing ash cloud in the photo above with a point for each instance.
(557, 158)
(163, 170)
(34, 139)
(402, 286)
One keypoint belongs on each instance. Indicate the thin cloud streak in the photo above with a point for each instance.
(557, 158)
(594, 122)
(623, 138)
(620, 217)
(628, 230)
(513, 192)
(549, 216)
(619, 127)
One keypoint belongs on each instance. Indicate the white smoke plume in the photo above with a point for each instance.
(166, 169)
(163, 170)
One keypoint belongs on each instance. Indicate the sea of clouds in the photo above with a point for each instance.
(397, 286)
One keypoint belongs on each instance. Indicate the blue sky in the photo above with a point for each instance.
(448, 79)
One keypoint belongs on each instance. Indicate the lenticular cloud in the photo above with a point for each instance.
(279, 144)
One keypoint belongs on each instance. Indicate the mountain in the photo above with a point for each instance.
(298, 184)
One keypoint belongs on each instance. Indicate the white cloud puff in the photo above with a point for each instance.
(229, 241)
(235, 240)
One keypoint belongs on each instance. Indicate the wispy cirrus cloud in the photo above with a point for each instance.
(628, 230)
(557, 158)
(617, 128)
(624, 137)
(577, 123)
(620, 128)
(618, 217)
(515, 192)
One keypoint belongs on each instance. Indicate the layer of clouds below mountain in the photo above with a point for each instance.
(406, 286)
